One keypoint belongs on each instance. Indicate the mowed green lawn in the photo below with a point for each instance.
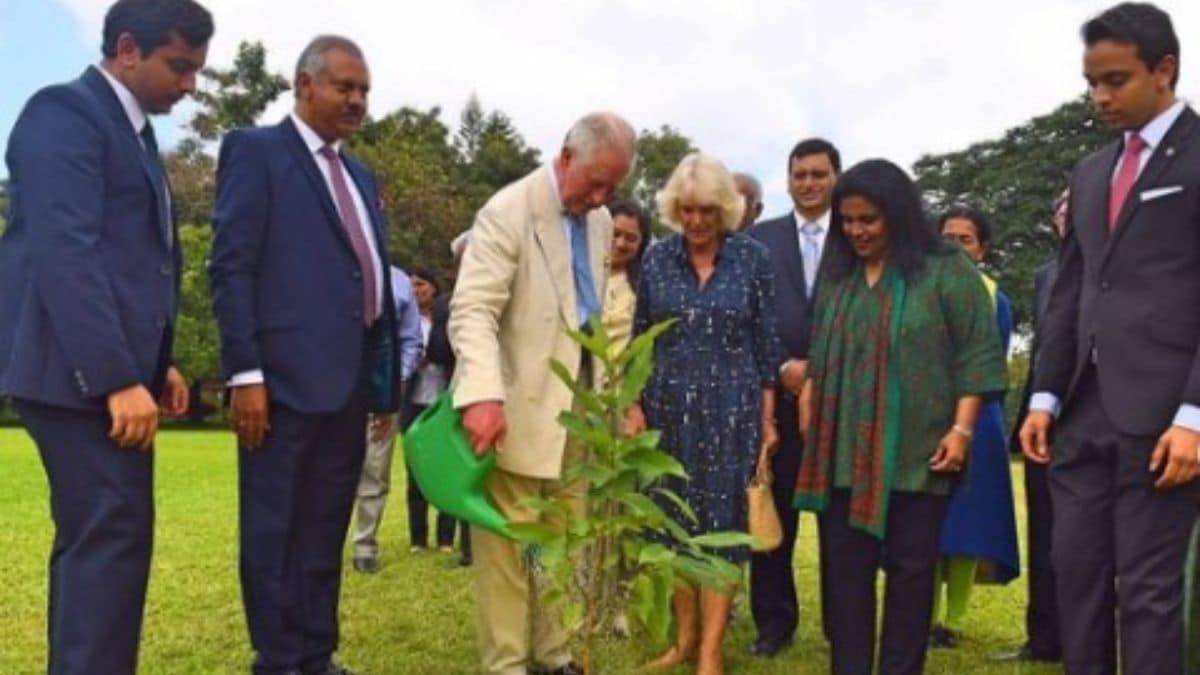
(414, 618)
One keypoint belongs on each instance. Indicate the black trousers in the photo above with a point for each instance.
(418, 506)
(774, 601)
(1110, 524)
(102, 502)
(908, 555)
(296, 496)
(1041, 613)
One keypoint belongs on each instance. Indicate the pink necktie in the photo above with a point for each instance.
(354, 229)
(1127, 173)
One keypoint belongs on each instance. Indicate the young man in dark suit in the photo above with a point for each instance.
(307, 322)
(796, 241)
(1119, 371)
(89, 289)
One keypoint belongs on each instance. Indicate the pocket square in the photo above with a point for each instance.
(1155, 193)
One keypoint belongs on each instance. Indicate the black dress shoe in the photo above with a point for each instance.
(571, 668)
(769, 646)
(1023, 655)
(366, 565)
(941, 637)
(331, 668)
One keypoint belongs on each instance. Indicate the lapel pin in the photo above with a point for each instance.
(1171, 151)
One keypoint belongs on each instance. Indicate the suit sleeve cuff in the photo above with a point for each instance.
(246, 377)
(1045, 402)
(1188, 417)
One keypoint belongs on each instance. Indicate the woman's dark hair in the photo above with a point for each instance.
(1138, 23)
(151, 23)
(630, 209)
(426, 276)
(911, 236)
(983, 227)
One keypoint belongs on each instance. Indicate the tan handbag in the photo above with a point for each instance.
(763, 517)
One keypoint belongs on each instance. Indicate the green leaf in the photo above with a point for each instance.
(655, 554)
(654, 464)
(723, 539)
(675, 499)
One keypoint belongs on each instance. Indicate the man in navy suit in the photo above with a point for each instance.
(1118, 377)
(301, 293)
(89, 288)
(796, 241)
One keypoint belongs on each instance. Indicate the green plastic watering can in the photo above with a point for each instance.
(447, 470)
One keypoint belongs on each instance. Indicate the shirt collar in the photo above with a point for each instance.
(133, 109)
(1157, 128)
(312, 140)
(822, 221)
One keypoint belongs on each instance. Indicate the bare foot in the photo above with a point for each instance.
(673, 657)
(710, 664)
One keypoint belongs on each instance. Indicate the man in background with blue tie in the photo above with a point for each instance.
(308, 346)
(796, 241)
(89, 290)
(534, 268)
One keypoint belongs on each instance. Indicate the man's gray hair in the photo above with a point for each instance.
(601, 129)
(312, 59)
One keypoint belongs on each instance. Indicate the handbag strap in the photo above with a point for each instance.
(762, 470)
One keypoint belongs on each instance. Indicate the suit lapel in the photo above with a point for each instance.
(308, 164)
(1164, 155)
(94, 82)
(551, 238)
(788, 248)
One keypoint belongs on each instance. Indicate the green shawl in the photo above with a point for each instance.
(875, 421)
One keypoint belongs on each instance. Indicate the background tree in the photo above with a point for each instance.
(1014, 179)
(493, 152)
(419, 176)
(658, 153)
(237, 95)
(197, 348)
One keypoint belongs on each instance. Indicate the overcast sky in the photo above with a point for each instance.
(743, 79)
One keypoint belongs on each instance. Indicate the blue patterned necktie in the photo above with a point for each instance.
(811, 254)
(586, 301)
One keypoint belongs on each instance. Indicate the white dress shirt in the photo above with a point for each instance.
(314, 144)
(133, 109)
(1153, 133)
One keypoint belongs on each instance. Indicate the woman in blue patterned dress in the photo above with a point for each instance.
(712, 391)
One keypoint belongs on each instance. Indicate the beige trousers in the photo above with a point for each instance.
(515, 630)
(373, 488)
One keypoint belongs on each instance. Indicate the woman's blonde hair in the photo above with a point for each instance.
(701, 179)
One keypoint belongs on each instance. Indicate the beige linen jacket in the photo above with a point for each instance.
(514, 298)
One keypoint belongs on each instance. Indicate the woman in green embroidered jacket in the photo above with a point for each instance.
(904, 348)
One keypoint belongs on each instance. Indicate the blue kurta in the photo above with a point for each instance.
(710, 370)
(981, 521)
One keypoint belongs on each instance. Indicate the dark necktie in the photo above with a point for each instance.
(354, 230)
(159, 176)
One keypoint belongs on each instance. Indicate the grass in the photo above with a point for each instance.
(414, 618)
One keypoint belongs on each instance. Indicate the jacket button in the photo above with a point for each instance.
(356, 274)
(165, 269)
(1105, 286)
(162, 323)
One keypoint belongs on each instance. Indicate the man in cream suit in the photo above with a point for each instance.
(535, 267)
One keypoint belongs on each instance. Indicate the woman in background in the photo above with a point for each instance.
(979, 536)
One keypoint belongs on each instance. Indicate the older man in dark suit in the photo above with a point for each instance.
(1119, 369)
(796, 241)
(301, 294)
(89, 290)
